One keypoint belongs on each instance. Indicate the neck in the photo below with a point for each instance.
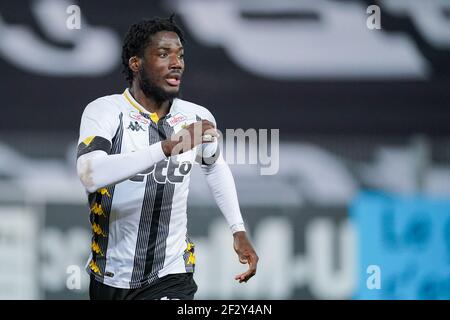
(150, 104)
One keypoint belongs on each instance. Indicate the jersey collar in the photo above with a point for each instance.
(153, 116)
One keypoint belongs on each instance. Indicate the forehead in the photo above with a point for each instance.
(165, 39)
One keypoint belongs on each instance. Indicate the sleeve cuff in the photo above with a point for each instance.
(237, 227)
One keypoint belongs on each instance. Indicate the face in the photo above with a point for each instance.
(162, 67)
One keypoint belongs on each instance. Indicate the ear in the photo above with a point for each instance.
(134, 63)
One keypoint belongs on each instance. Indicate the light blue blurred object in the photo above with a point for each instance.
(405, 243)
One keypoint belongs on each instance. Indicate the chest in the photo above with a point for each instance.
(139, 132)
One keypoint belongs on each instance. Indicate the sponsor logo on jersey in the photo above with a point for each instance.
(166, 171)
(135, 126)
(109, 274)
(139, 118)
(176, 118)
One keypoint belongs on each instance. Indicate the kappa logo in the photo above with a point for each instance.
(135, 126)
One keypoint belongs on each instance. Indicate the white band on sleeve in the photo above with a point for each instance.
(237, 227)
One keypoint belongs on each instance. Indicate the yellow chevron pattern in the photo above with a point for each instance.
(96, 248)
(104, 191)
(190, 250)
(94, 267)
(98, 210)
(191, 259)
(98, 230)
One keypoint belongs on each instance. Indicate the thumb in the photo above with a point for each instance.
(243, 259)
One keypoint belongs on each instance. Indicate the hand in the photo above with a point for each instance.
(189, 137)
(246, 254)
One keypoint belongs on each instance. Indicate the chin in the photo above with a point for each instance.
(172, 92)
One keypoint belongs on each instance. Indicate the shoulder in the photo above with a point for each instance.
(187, 107)
(106, 105)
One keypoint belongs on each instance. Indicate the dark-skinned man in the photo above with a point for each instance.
(135, 154)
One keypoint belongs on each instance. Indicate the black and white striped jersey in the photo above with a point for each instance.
(139, 225)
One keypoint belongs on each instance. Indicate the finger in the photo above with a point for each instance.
(244, 277)
(211, 131)
(205, 128)
(243, 260)
(210, 135)
(252, 262)
(199, 124)
(207, 138)
(207, 123)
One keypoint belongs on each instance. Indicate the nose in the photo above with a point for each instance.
(176, 63)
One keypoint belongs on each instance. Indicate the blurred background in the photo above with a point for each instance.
(360, 206)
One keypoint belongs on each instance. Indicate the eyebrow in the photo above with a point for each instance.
(167, 48)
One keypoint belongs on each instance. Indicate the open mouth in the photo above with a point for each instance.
(173, 80)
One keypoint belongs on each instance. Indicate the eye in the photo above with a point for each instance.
(163, 55)
(181, 56)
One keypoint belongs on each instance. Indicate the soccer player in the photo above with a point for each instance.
(135, 154)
